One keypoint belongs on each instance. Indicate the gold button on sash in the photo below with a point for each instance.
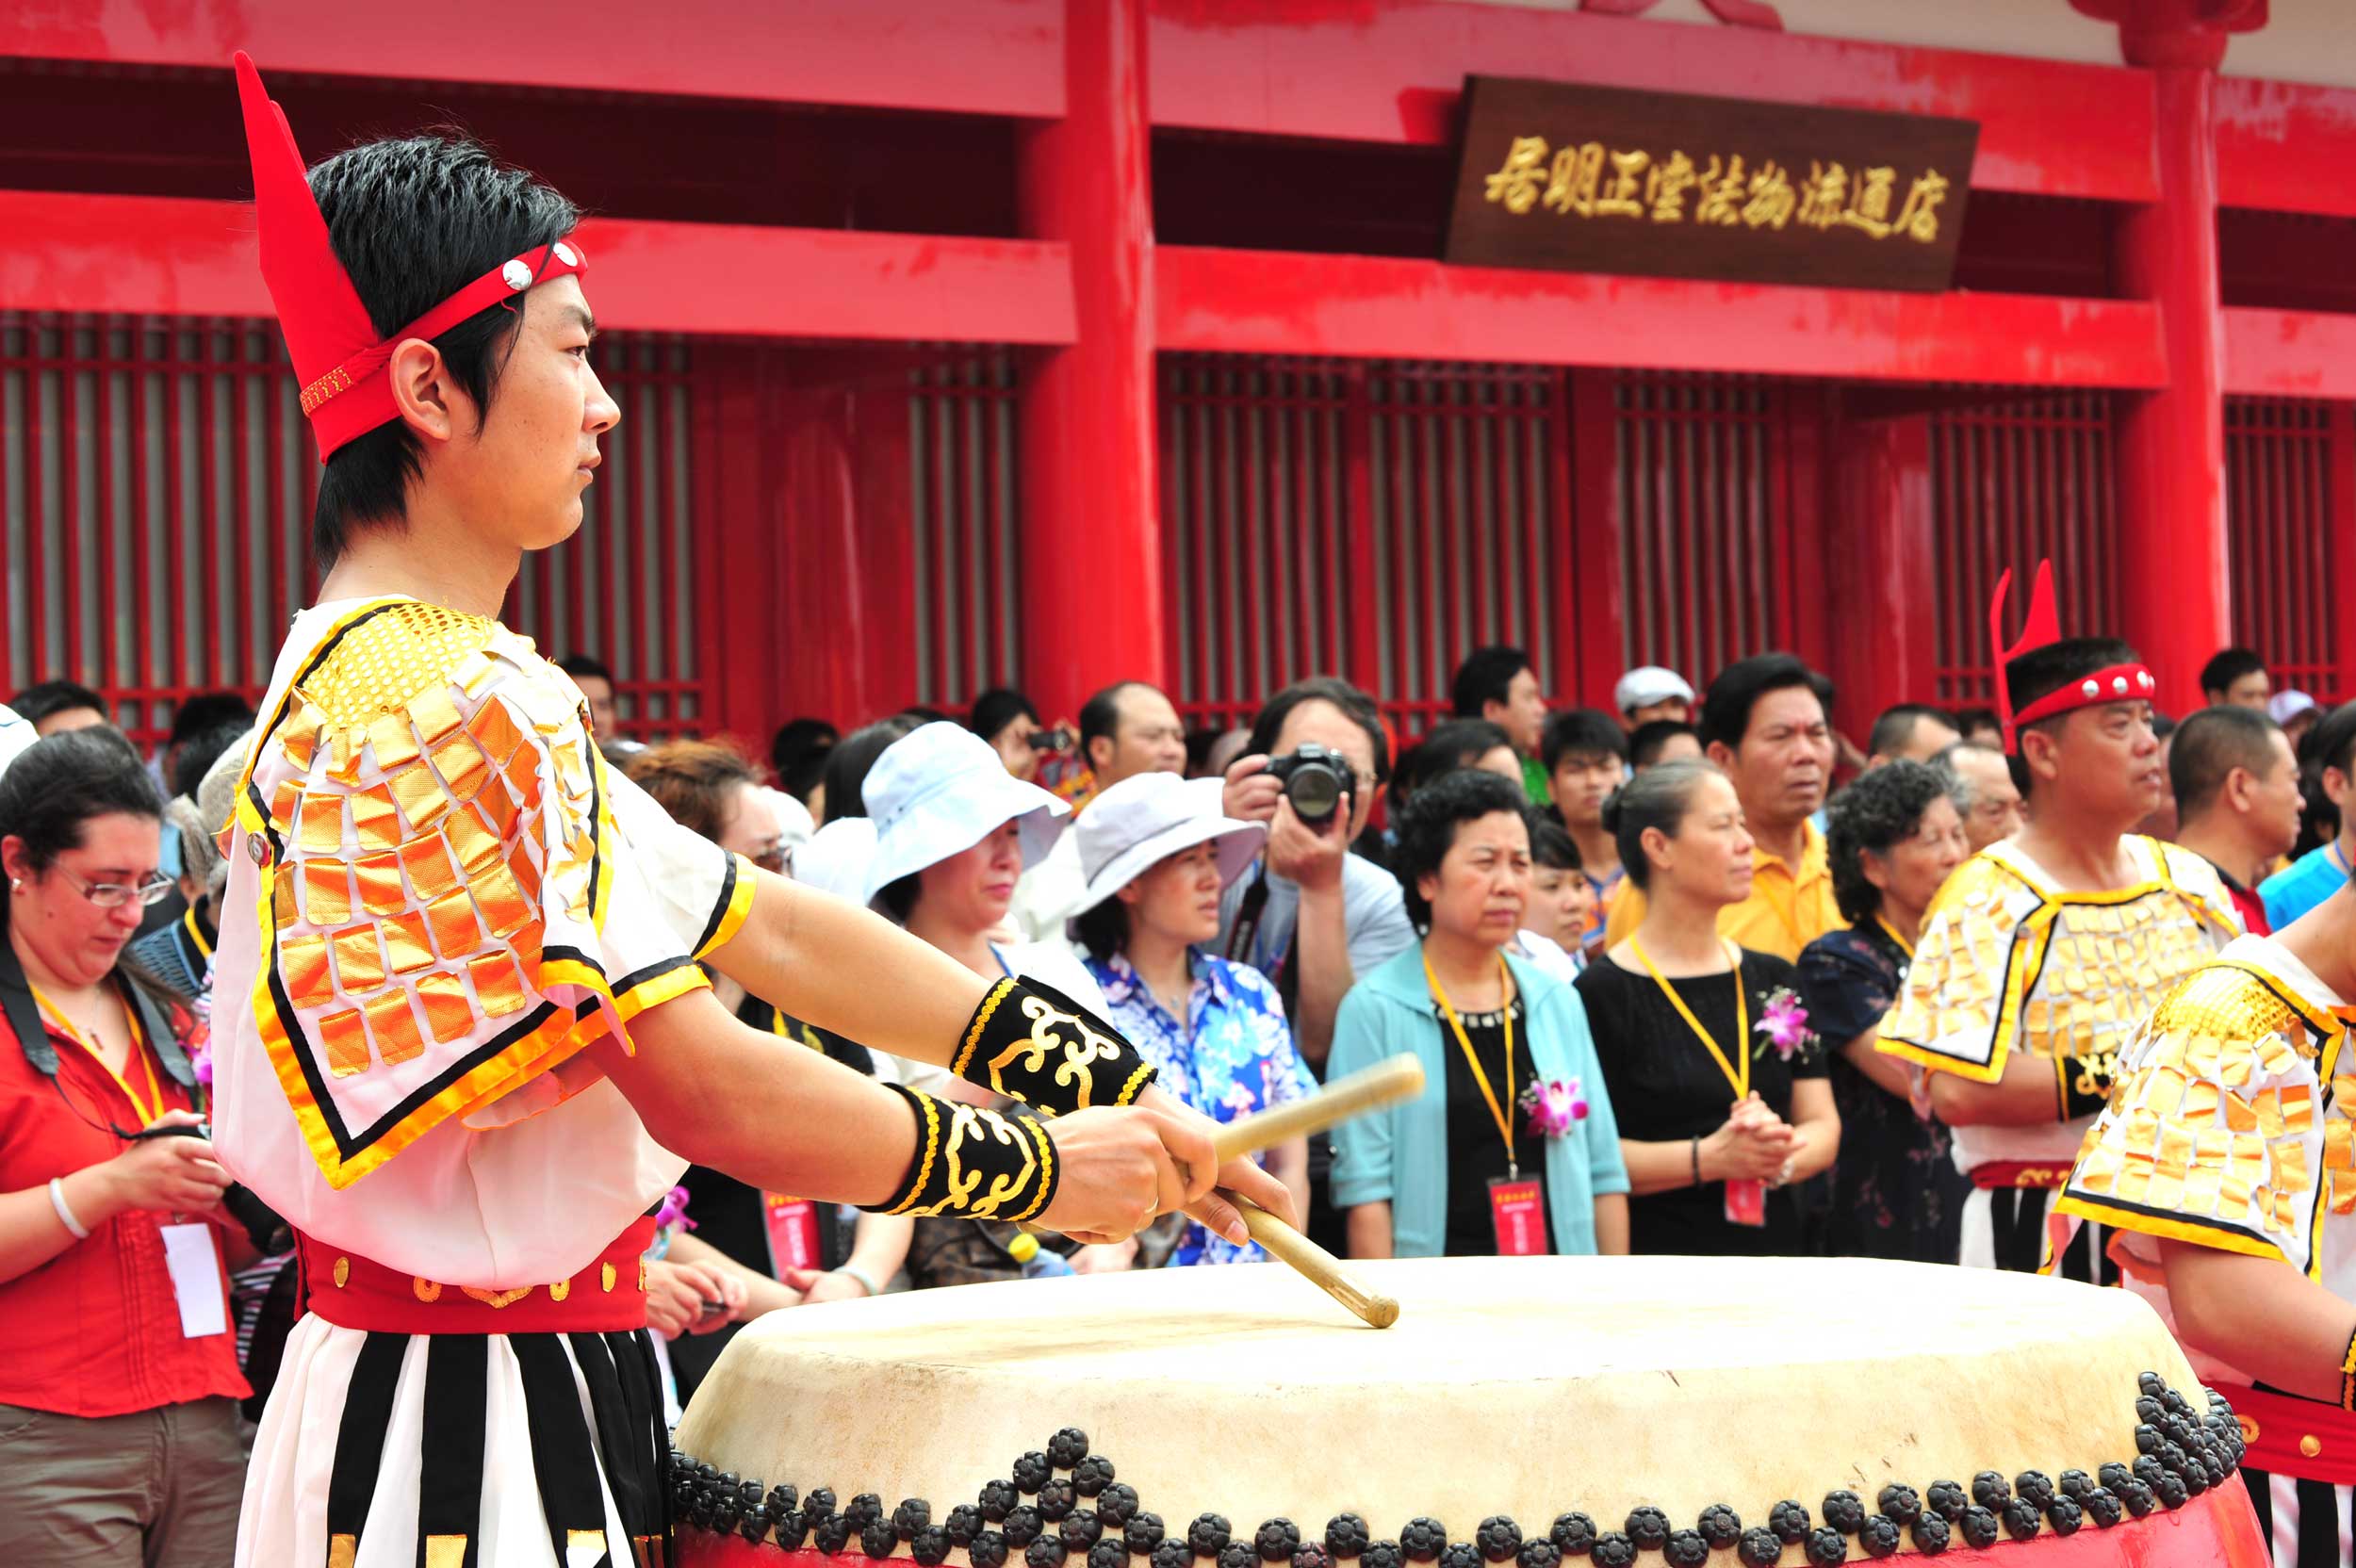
(2311, 1446)
(427, 1290)
(607, 1273)
(343, 1271)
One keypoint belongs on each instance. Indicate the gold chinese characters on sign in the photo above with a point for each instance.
(1593, 181)
(1613, 180)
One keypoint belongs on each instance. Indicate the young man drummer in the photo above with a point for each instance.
(463, 1044)
(2042, 952)
(2225, 1169)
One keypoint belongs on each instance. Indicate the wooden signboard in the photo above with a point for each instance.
(1601, 179)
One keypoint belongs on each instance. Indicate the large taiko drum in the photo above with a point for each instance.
(1613, 1412)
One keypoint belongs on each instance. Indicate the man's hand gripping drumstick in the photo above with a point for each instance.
(1385, 1083)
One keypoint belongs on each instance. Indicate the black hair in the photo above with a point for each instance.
(2332, 743)
(2041, 672)
(1551, 844)
(1102, 930)
(1651, 738)
(1727, 710)
(1969, 719)
(797, 754)
(59, 783)
(2210, 744)
(195, 757)
(1581, 732)
(923, 715)
(1658, 797)
(1100, 717)
(1896, 727)
(1426, 826)
(2162, 726)
(1485, 678)
(850, 760)
(204, 713)
(1453, 744)
(2228, 665)
(36, 702)
(414, 220)
(996, 708)
(1875, 813)
(578, 665)
(1354, 704)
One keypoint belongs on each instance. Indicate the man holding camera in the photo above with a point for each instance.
(1313, 917)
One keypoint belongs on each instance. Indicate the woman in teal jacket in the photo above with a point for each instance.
(1512, 1147)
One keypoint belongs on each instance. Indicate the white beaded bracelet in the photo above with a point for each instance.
(866, 1281)
(65, 1212)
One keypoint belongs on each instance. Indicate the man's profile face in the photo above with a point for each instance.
(520, 472)
(1996, 812)
(1522, 713)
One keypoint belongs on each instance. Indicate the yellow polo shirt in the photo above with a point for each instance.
(1785, 912)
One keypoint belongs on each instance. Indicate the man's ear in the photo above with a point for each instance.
(424, 391)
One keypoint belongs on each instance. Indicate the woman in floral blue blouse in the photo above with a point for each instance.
(1157, 853)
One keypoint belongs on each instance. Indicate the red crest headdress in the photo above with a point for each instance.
(2116, 683)
(332, 343)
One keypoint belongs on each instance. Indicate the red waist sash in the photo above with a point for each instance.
(2049, 1174)
(353, 1292)
(2300, 1438)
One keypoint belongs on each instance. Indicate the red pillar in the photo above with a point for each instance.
(2175, 590)
(1882, 553)
(1091, 556)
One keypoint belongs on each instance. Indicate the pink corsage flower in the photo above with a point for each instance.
(1784, 1024)
(1555, 1105)
(673, 1211)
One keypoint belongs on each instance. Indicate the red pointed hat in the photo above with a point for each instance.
(332, 343)
(2116, 683)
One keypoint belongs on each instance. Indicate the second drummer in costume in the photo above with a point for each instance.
(2226, 1170)
(2042, 952)
(461, 1042)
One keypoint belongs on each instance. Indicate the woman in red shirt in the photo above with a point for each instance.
(119, 1437)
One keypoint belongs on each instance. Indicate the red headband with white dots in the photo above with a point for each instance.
(330, 337)
(2113, 683)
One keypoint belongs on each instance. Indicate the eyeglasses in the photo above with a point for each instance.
(774, 856)
(115, 895)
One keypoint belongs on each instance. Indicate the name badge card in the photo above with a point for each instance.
(196, 1280)
(1518, 1210)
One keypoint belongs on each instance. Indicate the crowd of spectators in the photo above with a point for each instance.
(1641, 954)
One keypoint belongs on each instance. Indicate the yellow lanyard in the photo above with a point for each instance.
(1505, 1123)
(153, 1107)
(1891, 932)
(1739, 1079)
(196, 933)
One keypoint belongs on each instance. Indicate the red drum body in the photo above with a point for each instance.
(1523, 1413)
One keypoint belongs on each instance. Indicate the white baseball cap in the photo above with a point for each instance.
(2287, 704)
(939, 791)
(1144, 819)
(1642, 687)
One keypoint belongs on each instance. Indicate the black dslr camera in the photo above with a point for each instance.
(1315, 779)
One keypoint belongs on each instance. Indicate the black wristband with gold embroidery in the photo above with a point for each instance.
(1031, 1043)
(2085, 1084)
(974, 1163)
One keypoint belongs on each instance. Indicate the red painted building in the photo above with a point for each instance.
(1064, 340)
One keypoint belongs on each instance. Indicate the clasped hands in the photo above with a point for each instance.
(1754, 1144)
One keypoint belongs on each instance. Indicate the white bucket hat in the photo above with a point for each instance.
(837, 857)
(940, 790)
(1146, 819)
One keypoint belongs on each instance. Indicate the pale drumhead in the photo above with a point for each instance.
(1524, 1387)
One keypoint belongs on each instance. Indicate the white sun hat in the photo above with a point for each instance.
(837, 857)
(1143, 820)
(940, 790)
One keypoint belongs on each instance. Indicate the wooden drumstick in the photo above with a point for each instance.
(1319, 1267)
(1393, 1079)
